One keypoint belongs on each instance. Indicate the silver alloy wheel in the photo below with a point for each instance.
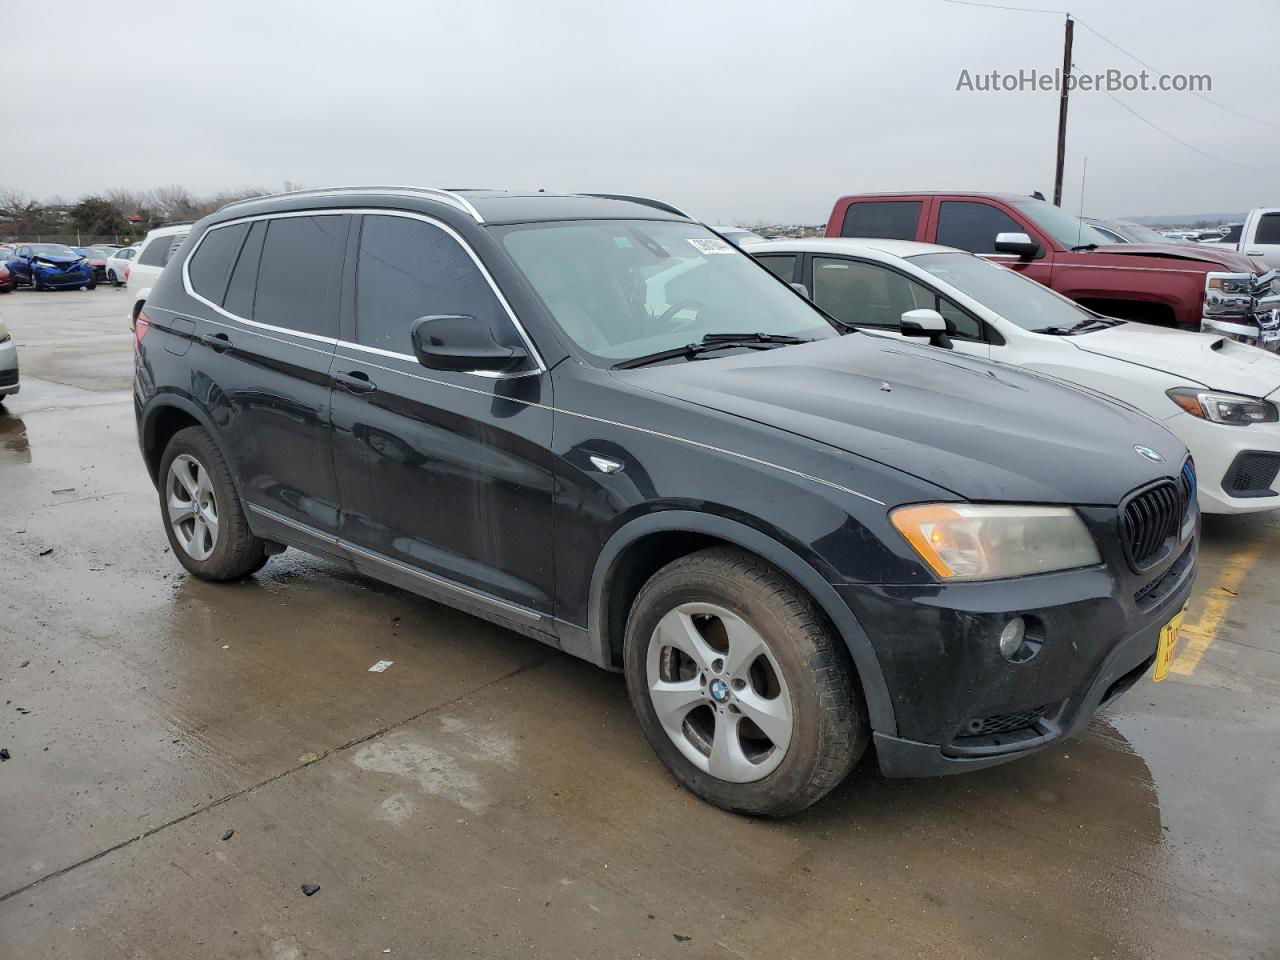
(718, 692)
(191, 508)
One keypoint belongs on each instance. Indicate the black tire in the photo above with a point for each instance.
(111, 275)
(237, 553)
(829, 719)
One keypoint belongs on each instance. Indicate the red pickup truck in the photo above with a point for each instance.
(1196, 288)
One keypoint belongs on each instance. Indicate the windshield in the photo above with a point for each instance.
(1011, 295)
(1137, 233)
(1068, 230)
(52, 250)
(623, 289)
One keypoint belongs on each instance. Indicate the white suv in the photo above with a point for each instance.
(154, 252)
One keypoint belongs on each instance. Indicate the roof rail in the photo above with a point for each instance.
(435, 193)
(644, 201)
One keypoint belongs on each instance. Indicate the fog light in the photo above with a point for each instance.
(1011, 637)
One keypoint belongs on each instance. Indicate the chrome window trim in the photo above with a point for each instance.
(539, 366)
(442, 582)
(452, 198)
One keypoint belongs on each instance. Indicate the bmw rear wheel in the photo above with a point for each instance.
(742, 689)
(203, 516)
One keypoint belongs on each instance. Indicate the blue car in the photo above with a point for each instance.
(50, 266)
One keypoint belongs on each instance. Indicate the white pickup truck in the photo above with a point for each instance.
(1258, 237)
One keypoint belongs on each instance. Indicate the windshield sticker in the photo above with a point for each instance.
(710, 245)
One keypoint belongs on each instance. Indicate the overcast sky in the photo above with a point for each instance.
(736, 111)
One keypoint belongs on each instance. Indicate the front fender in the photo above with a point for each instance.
(879, 706)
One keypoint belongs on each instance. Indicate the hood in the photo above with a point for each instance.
(1198, 358)
(983, 431)
(1224, 259)
(57, 261)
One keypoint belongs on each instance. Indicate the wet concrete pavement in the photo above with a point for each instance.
(487, 796)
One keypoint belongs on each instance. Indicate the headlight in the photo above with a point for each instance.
(1228, 293)
(1224, 407)
(974, 541)
(1229, 284)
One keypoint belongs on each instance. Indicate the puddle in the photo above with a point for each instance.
(14, 444)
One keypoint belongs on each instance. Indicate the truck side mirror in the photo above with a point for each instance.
(926, 323)
(1017, 243)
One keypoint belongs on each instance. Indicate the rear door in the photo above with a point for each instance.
(262, 350)
(445, 477)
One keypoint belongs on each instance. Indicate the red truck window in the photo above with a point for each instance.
(973, 226)
(884, 219)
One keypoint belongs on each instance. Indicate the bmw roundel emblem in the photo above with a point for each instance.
(1148, 453)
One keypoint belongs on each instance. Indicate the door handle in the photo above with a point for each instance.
(355, 382)
(218, 341)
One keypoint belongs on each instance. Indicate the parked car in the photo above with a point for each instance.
(1219, 397)
(736, 235)
(1125, 231)
(119, 264)
(153, 254)
(6, 279)
(1258, 237)
(97, 255)
(8, 364)
(1193, 287)
(50, 266)
(791, 541)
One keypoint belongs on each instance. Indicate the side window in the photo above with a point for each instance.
(973, 226)
(782, 266)
(407, 269)
(886, 219)
(156, 252)
(1268, 228)
(1235, 230)
(300, 273)
(210, 266)
(244, 275)
(866, 294)
(959, 323)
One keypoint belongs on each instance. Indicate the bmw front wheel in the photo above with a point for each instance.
(742, 689)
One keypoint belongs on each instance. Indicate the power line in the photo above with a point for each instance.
(1138, 59)
(1158, 129)
(998, 6)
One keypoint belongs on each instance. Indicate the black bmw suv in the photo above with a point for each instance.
(594, 421)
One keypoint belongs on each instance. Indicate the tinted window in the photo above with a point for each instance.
(1233, 233)
(300, 272)
(781, 266)
(1268, 229)
(409, 269)
(212, 261)
(864, 294)
(973, 226)
(244, 276)
(890, 219)
(159, 249)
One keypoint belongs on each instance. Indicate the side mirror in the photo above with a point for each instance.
(1017, 243)
(462, 344)
(926, 323)
(801, 289)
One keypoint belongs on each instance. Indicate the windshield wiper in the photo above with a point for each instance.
(1084, 246)
(712, 341)
(1092, 323)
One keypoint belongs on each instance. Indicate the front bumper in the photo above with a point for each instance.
(960, 705)
(64, 280)
(8, 368)
(1220, 451)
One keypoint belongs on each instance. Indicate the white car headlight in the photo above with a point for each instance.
(1224, 407)
(976, 541)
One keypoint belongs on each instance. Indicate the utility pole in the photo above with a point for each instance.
(1062, 112)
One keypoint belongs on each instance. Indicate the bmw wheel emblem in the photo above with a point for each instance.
(1148, 453)
(719, 690)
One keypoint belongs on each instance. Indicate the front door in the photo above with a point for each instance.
(973, 225)
(445, 477)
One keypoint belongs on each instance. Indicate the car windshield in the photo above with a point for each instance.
(1137, 233)
(1001, 290)
(630, 288)
(52, 250)
(1068, 230)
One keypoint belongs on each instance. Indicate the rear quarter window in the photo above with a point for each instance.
(211, 263)
(159, 249)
